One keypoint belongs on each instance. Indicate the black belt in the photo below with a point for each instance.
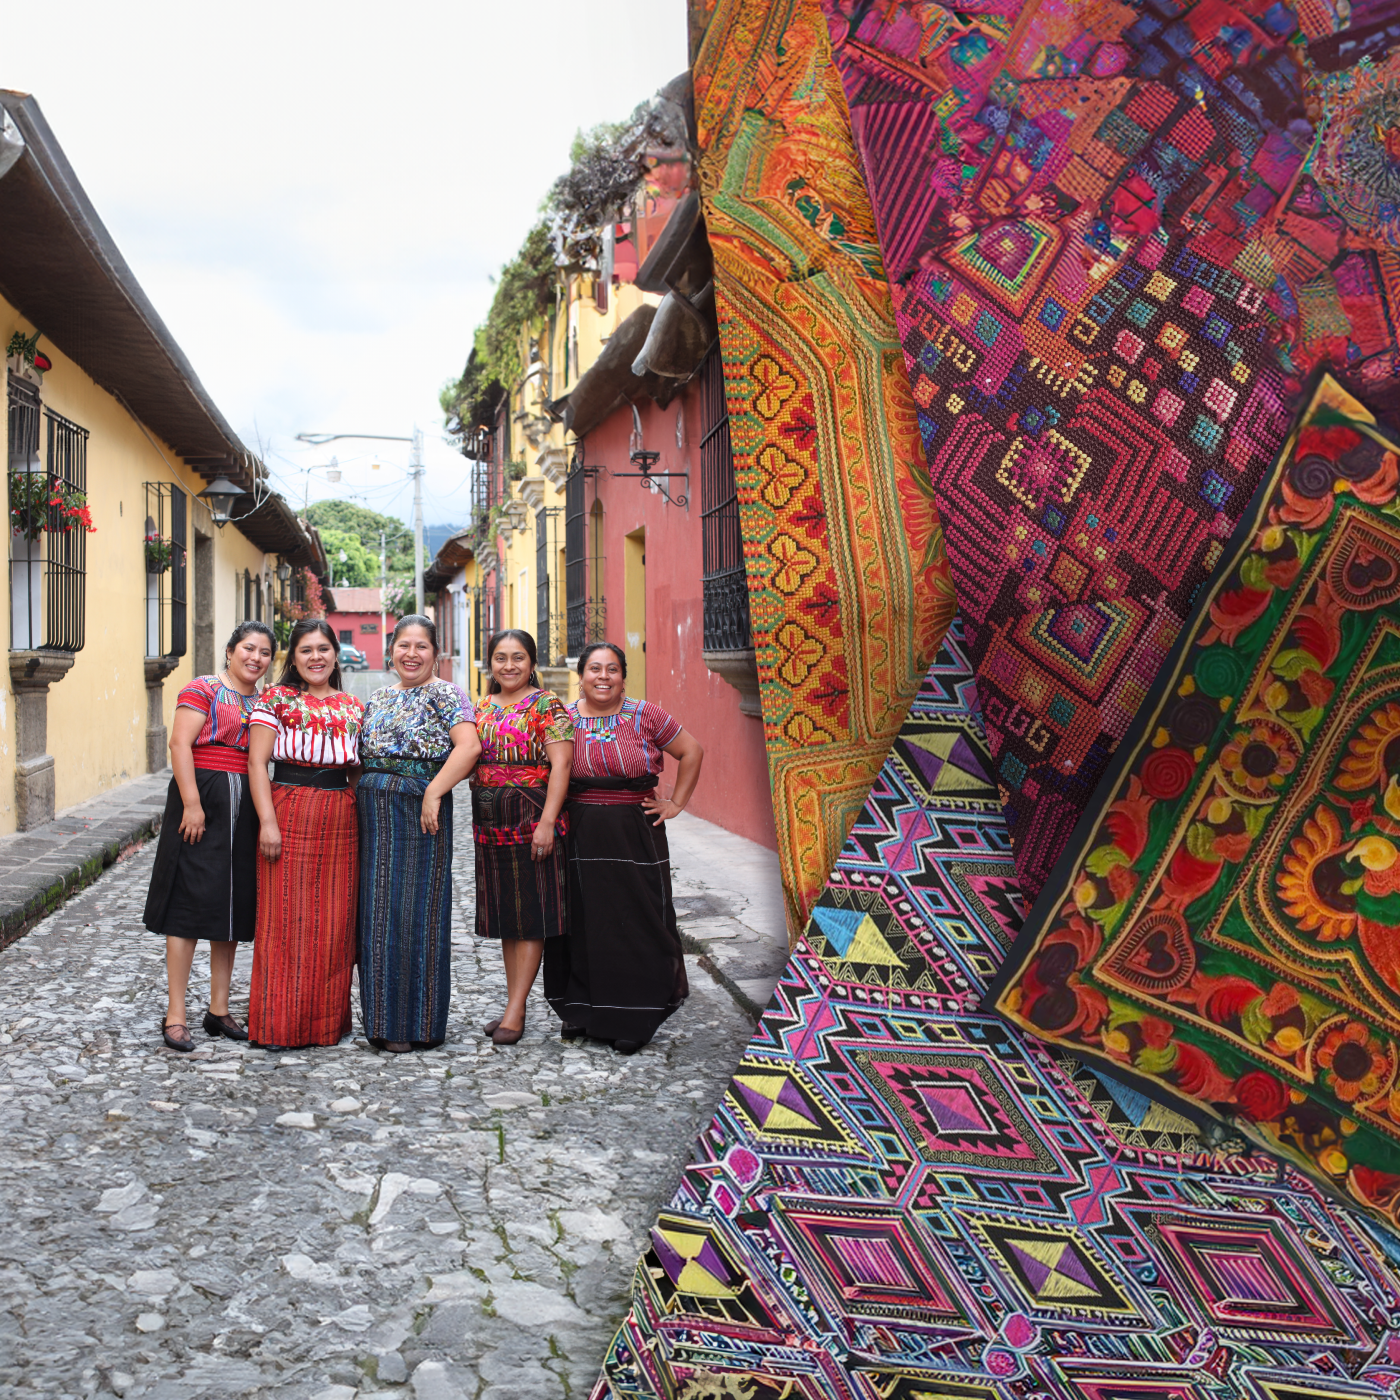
(303, 775)
(644, 783)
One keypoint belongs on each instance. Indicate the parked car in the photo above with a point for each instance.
(352, 658)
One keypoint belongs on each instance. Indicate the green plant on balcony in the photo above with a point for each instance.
(42, 504)
(159, 552)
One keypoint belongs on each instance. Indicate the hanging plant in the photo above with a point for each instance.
(159, 552)
(24, 351)
(42, 504)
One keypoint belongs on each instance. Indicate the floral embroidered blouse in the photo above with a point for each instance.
(513, 739)
(222, 742)
(625, 745)
(410, 731)
(320, 733)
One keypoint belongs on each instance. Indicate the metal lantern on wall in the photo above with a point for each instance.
(219, 496)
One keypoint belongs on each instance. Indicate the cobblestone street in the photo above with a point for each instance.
(328, 1223)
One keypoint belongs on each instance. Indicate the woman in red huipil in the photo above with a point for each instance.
(308, 873)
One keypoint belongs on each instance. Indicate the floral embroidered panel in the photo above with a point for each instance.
(1225, 922)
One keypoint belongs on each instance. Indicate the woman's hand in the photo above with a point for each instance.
(662, 808)
(429, 820)
(542, 842)
(269, 841)
(192, 823)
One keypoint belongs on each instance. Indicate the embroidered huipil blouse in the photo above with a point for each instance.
(410, 731)
(627, 744)
(513, 739)
(318, 733)
(222, 742)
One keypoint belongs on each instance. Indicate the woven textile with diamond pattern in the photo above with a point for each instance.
(902, 1198)
(1116, 236)
(849, 586)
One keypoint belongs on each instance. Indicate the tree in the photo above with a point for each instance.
(346, 518)
(359, 568)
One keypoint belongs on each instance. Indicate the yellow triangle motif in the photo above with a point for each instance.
(869, 946)
(697, 1279)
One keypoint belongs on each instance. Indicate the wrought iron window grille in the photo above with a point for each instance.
(166, 547)
(48, 546)
(725, 582)
(585, 607)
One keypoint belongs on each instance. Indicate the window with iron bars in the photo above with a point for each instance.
(550, 635)
(48, 546)
(585, 608)
(166, 548)
(725, 582)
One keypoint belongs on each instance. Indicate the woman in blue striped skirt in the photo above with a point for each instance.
(419, 740)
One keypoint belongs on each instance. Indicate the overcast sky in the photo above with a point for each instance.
(315, 195)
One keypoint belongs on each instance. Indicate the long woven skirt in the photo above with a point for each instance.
(304, 953)
(621, 971)
(405, 932)
(208, 888)
(516, 896)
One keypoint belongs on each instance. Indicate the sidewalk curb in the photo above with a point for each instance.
(19, 915)
(702, 952)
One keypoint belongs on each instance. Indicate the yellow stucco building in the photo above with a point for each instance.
(104, 410)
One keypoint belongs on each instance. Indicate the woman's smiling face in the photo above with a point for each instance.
(249, 658)
(602, 681)
(315, 658)
(414, 655)
(510, 664)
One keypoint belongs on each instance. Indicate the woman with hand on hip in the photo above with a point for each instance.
(304, 952)
(419, 741)
(518, 795)
(621, 971)
(204, 880)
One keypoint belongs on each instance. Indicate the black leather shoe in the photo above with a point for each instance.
(568, 1032)
(175, 1043)
(628, 1047)
(259, 1046)
(223, 1025)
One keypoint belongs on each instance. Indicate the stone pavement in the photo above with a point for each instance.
(40, 868)
(336, 1223)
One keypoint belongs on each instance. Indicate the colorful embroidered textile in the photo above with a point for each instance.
(513, 739)
(517, 896)
(319, 733)
(625, 745)
(849, 589)
(1225, 924)
(902, 1198)
(304, 949)
(1109, 265)
(225, 729)
(414, 724)
(404, 934)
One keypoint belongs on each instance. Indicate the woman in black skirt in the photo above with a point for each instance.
(620, 972)
(204, 881)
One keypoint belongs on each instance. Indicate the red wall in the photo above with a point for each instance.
(733, 790)
(371, 644)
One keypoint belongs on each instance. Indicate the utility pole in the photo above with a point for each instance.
(383, 588)
(418, 517)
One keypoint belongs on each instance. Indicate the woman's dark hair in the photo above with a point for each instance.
(512, 634)
(601, 646)
(246, 629)
(290, 675)
(415, 620)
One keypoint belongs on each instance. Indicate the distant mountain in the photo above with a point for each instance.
(435, 536)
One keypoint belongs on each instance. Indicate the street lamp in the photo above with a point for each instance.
(415, 471)
(220, 495)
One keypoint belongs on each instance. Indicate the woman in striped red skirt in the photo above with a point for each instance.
(304, 952)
